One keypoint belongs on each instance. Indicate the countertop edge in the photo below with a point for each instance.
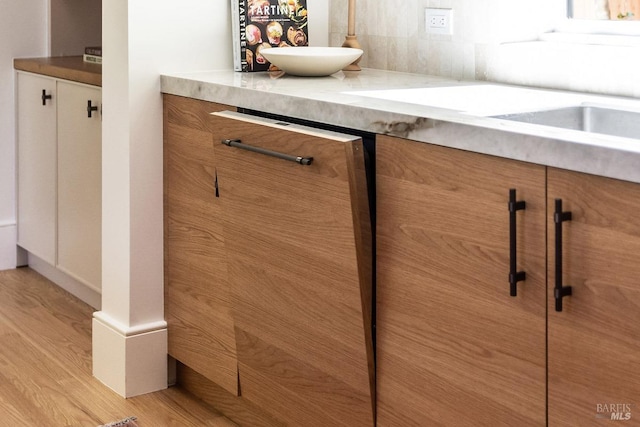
(71, 68)
(576, 151)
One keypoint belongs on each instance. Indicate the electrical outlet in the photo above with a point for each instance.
(438, 21)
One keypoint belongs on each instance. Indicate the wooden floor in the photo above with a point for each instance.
(45, 366)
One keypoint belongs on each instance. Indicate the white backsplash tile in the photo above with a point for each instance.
(392, 33)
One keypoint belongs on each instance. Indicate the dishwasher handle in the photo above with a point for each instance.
(239, 144)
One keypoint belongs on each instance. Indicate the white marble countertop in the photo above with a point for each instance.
(427, 109)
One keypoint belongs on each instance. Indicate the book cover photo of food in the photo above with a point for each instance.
(260, 24)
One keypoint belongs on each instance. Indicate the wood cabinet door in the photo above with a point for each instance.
(197, 299)
(300, 269)
(594, 342)
(453, 347)
(80, 183)
(37, 162)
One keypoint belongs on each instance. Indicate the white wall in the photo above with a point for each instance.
(23, 26)
(141, 40)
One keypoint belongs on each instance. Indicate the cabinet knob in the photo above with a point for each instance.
(91, 108)
(45, 97)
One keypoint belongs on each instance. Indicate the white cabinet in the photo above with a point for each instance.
(79, 182)
(37, 151)
(59, 175)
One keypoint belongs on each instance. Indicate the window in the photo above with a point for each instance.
(606, 22)
(615, 10)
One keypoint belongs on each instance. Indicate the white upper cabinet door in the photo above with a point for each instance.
(36, 112)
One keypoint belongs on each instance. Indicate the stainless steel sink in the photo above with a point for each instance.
(588, 118)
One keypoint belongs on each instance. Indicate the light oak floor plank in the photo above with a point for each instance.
(45, 366)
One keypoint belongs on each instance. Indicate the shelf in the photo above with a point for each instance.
(64, 67)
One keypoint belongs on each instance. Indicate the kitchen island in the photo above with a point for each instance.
(474, 322)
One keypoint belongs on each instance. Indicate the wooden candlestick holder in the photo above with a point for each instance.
(351, 39)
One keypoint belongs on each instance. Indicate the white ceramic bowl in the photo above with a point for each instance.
(311, 61)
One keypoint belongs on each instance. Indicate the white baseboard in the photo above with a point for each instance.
(8, 248)
(66, 282)
(130, 361)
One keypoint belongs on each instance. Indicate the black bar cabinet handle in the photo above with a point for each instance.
(215, 184)
(559, 290)
(239, 144)
(45, 97)
(515, 276)
(91, 108)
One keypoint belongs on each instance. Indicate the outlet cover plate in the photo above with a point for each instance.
(438, 21)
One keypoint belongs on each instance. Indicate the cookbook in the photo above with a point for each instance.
(261, 24)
